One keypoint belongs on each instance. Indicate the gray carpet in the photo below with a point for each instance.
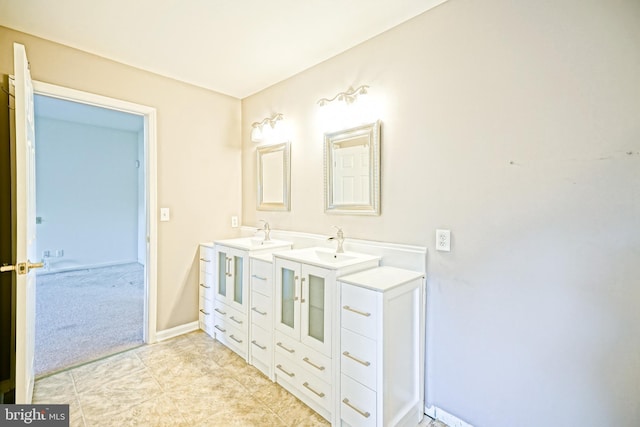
(84, 315)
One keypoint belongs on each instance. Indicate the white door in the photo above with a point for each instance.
(24, 221)
(351, 175)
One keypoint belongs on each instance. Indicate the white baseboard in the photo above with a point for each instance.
(83, 267)
(447, 418)
(430, 411)
(177, 331)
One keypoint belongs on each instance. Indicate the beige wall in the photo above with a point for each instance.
(517, 126)
(198, 156)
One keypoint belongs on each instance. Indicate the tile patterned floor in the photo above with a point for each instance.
(191, 380)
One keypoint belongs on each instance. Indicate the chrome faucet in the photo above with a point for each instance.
(340, 238)
(266, 229)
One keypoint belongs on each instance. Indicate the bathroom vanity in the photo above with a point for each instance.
(307, 322)
(341, 333)
(231, 288)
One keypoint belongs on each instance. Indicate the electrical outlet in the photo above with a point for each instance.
(234, 221)
(443, 240)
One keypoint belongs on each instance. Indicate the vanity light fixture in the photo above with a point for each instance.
(256, 131)
(349, 96)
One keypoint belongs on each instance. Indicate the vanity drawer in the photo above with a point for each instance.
(359, 310)
(286, 346)
(261, 277)
(206, 259)
(358, 358)
(312, 387)
(314, 362)
(357, 403)
(206, 305)
(237, 318)
(261, 310)
(231, 336)
(317, 390)
(205, 287)
(205, 319)
(261, 343)
(308, 359)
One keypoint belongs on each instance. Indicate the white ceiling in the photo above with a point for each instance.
(236, 47)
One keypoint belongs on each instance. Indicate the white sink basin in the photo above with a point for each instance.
(333, 257)
(252, 243)
(327, 258)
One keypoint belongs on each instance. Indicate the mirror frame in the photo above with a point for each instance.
(372, 130)
(285, 204)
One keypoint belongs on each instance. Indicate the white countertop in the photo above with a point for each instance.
(381, 278)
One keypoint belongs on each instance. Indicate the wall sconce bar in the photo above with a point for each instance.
(256, 131)
(349, 96)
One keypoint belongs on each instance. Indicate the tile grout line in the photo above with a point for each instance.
(77, 396)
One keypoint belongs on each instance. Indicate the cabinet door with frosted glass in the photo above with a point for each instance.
(237, 295)
(230, 274)
(222, 271)
(316, 308)
(287, 284)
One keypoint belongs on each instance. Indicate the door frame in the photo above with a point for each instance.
(151, 185)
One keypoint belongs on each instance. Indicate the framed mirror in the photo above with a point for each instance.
(352, 170)
(274, 177)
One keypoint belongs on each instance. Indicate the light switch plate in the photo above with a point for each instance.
(165, 214)
(443, 240)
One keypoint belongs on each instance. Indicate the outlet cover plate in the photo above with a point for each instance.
(443, 240)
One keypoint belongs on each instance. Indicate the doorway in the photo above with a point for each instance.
(95, 189)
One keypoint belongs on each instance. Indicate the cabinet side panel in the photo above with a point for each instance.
(402, 353)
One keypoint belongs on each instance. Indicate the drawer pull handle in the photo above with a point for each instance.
(258, 277)
(204, 312)
(355, 408)
(205, 286)
(290, 350)
(235, 339)
(291, 374)
(262, 313)
(319, 394)
(262, 347)
(360, 361)
(205, 260)
(302, 300)
(353, 310)
(224, 313)
(220, 329)
(318, 367)
(239, 322)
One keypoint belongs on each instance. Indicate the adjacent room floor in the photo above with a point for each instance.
(191, 380)
(83, 315)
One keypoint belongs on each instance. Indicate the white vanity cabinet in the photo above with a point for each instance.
(205, 288)
(231, 291)
(306, 323)
(261, 313)
(382, 320)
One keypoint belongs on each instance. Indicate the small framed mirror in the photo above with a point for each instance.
(352, 170)
(274, 177)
